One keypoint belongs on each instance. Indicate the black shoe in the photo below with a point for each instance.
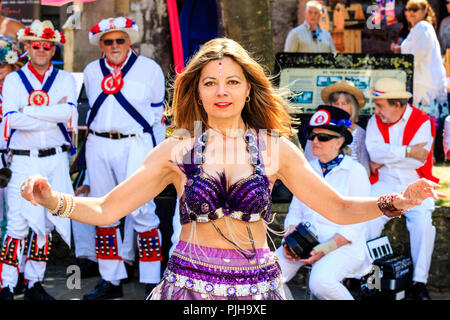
(89, 269)
(21, 285)
(104, 290)
(6, 294)
(148, 289)
(37, 292)
(419, 291)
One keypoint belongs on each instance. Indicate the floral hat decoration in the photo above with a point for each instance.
(10, 52)
(41, 31)
(334, 119)
(114, 24)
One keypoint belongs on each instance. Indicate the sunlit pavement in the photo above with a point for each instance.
(57, 283)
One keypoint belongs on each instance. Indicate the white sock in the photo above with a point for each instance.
(115, 282)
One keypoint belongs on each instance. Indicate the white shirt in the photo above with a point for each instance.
(300, 39)
(2, 140)
(143, 86)
(423, 43)
(350, 179)
(397, 169)
(37, 126)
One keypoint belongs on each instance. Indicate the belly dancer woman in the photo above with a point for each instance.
(229, 149)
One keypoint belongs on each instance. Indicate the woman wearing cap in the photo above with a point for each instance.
(223, 162)
(343, 94)
(430, 80)
(341, 252)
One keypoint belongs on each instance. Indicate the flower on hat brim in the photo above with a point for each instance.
(37, 31)
(123, 24)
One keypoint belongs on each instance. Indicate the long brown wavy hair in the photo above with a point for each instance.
(430, 16)
(267, 109)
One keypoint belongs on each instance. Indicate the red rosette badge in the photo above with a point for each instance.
(111, 85)
(320, 118)
(38, 98)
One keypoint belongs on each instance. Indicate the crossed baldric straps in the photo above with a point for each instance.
(47, 85)
(81, 160)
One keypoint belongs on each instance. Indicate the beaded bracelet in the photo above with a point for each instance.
(68, 201)
(59, 205)
(70, 206)
(386, 205)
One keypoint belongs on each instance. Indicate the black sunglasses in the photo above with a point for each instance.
(109, 42)
(412, 9)
(322, 137)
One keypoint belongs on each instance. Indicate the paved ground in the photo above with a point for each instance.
(57, 280)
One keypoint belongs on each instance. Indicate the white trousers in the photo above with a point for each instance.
(109, 162)
(326, 274)
(421, 232)
(21, 215)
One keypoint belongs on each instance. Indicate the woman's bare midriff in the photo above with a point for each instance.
(208, 236)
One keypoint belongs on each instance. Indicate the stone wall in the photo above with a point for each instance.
(150, 15)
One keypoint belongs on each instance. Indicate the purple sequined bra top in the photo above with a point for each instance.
(208, 198)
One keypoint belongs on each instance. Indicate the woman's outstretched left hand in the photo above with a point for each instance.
(416, 192)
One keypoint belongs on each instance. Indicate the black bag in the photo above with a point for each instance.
(5, 173)
(301, 241)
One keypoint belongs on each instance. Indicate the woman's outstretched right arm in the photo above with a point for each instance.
(155, 173)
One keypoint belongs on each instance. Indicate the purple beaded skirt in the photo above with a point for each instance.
(204, 273)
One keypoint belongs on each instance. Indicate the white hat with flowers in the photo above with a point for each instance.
(41, 31)
(9, 51)
(114, 24)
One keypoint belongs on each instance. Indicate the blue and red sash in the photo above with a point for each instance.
(46, 88)
(81, 160)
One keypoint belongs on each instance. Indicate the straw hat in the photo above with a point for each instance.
(114, 24)
(41, 31)
(343, 86)
(389, 88)
(334, 119)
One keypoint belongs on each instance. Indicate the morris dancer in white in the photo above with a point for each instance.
(39, 100)
(11, 59)
(126, 93)
(399, 141)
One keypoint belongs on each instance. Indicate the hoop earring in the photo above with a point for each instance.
(199, 102)
(247, 99)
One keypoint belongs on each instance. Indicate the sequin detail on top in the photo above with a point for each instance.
(207, 198)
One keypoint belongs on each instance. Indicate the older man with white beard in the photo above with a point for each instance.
(126, 93)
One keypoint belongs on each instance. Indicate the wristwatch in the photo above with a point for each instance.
(408, 151)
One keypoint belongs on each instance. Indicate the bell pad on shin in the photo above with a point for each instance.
(149, 245)
(106, 243)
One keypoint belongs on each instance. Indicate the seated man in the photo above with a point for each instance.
(399, 139)
(342, 252)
